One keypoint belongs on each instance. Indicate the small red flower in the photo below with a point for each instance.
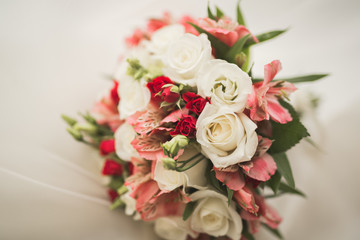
(158, 93)
(194, 102)
(114, 93)
(107, 146)
(112, 168)
(186, 126)
(169, 96)
(112, 194)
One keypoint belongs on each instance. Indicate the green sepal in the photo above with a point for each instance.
(230, 194)
(276, 232)
(239, 15)
(274, 182)
(283, 166)
(188, 210)
(264, 37)
(220, 48)
(213, 180)
(306, 78)
(287, 135)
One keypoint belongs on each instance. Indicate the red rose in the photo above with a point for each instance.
(114, 93)
(107, 146)
(169, 96)
(112, 168)
(112, 194)
(194, 102)
(186, 126)
(158, 93)
(155, 86)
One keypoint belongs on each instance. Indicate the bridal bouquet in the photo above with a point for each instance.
(191, 140)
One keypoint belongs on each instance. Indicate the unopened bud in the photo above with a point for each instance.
(68, 120)
(173, 146)
(86, 127)
(123, 189)
(75, 133)
(169, 163)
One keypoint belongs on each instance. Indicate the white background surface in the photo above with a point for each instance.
(53, 58)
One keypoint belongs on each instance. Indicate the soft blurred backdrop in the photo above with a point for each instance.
(54, 56)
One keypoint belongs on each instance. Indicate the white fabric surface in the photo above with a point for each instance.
(53, 58)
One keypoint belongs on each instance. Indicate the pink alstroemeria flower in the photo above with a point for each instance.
(264, 100)
(225, 29)
(266, 214)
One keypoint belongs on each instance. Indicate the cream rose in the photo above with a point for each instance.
(227, 138)
(134, 96)
(185, 56)
(173, 228)
(169, 180)
(123, 137)
(225, 83)
(162, 38)
(213, 216)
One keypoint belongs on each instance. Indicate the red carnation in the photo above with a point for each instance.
(112, 168)
(194, 102)
(114, 93)
(156, 87)
(107, 146)
(186, 126)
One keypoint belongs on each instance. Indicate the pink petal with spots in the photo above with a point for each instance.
(234, 180)
(271, 70)
(277, 112)
(175, 115)
(263, 168)
(245, 198)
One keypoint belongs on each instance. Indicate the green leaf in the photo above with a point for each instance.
(188, 210)
(236, 49)
(245, 231)
(220, 47)
(230, 194)
(306, 78)
(288, 189)
(274, 182)
(264, 37)
(213, 180)
(239, 16)
(276, 232)
(219, 13)
(283, 166)
(287, 135)
(210, 14)
(116, 182)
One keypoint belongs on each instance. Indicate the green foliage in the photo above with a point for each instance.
(116, 182)
(264, 37)
(230, 194)
(284, 188)
(287, 135)
(283, 166)
(239, 15)
(276, 232)
(274, 182)
(306, 78)
(188, 210)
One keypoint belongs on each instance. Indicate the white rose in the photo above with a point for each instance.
(130, 205)
(134, 96)
(225, 83)
(173, 228)
(169, 180)
(161, 39)
(123, 137)
(185, 56)
(227, 138)
(213, 216)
